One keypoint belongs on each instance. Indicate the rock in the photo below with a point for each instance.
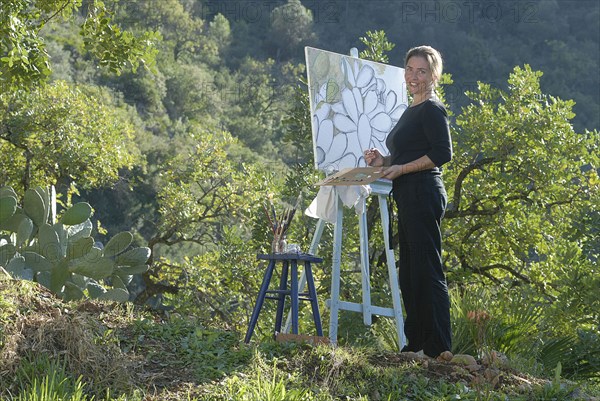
(414, 355)
(477, 381)
(463, 359)
(472, 368)
(443, 369)
(492, 375)
(525, 385)
(445, 356)
(494, 358)
(469, 362)
(577, 394)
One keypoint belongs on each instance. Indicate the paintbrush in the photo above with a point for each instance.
(269, 218)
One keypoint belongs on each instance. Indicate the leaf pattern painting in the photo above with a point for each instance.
(354, 105)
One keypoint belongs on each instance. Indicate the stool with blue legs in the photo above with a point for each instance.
(287, 260)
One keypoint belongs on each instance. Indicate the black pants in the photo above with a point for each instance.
(421, 201)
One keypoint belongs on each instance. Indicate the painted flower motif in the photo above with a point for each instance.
(361, 119)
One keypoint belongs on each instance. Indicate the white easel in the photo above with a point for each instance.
(381, 188)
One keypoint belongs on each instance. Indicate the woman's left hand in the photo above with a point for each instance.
(393, 171)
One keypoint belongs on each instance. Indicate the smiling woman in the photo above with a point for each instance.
(420, 79)
(419, 145)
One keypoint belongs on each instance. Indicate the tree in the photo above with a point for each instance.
(519, 179)
(204, 192)
(180, 31)
(192, 93)
(377, 46)
(59, 134)
(216, 41)
(291, 26)
(23, 56)
(257, 97)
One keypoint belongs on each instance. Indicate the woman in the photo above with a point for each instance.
(419, 145)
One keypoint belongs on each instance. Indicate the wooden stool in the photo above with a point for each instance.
(287, 259)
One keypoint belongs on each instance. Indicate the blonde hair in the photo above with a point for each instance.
(433, 57)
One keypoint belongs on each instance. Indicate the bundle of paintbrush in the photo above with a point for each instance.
(280, 224)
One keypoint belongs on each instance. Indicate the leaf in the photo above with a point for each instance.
(7, 191)
(44, 278)
(134, 257)
(62, 234)
(135, 269)
(79, 231)
(13, 222)
(95, 290)
(77, 214)
(33, 205)
(93, 265)
(18, 269)
(72, 292)
(37, 262)
(24, 231)
(79, 248)
(45, 195)
(125, 278)
(555, 350)
(117, 282)
(8, 206)
(7, 252)
(58, 277)
(49, 243)
(115, 294)
(118, 244)
(80, 281)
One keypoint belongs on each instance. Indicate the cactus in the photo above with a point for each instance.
(61, 255)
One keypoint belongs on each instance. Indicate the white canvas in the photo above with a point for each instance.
(354, 104)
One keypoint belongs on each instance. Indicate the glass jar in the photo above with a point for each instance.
(279, 244)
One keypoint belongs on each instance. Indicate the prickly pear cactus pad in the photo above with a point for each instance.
(60, 253)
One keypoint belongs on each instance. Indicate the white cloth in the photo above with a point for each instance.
(323, 206)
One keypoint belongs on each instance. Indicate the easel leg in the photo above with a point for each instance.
(392, 274)
(334, 305)
(314, 245)
(364, 265)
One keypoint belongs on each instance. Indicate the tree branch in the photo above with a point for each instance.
(509, 269)
(466, 266)
(461, 177)
(60, 10)
(471, 212)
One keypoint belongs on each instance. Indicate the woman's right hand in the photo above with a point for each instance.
(373, 157)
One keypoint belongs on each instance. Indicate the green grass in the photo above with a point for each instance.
(108, 352)
(211, 364)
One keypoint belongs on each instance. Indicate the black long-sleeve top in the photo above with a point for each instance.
(422, 130)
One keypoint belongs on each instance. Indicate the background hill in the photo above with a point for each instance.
(480, 41)
(235, 64)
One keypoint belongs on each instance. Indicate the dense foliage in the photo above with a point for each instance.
(185, 152)
(62, 134)
(25, 57)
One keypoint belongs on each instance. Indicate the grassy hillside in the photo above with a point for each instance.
(51, 350)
